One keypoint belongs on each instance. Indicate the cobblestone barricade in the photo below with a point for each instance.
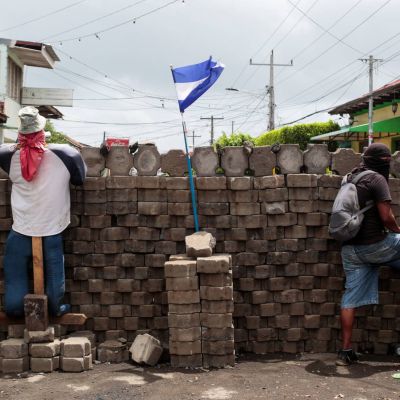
(286, 271)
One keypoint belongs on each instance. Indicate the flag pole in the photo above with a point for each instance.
(191, 181)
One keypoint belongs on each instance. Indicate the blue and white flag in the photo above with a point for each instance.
(192, 81)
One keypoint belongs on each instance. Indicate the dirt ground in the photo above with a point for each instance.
(307, 376)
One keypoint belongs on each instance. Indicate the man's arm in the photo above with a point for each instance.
(387, 217)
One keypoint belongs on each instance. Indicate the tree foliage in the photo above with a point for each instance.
(300, 134)
(56, 136)
(235, 139)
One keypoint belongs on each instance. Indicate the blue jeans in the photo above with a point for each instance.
(18, 261)
(361, 266)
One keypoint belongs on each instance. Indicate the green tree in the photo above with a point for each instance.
(235, 139)
(56, 136)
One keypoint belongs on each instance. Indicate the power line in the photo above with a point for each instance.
(95, 20)
(43, 16)
(112, 27)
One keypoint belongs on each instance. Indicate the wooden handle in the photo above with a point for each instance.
(38, 274)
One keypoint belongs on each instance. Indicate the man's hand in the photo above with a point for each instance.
(387, 217)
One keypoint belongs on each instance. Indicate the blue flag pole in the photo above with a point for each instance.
(191, 181)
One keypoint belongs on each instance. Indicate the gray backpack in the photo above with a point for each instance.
(346, 215)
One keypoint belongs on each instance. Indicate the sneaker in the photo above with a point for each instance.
(64, 309)
(346, 357)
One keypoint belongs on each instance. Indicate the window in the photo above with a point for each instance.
(14, 80)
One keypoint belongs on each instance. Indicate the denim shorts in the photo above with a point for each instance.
(361, 266)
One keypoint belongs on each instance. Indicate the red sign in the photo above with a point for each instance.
(117, 142)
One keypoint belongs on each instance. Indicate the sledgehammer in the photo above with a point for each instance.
(35, 305)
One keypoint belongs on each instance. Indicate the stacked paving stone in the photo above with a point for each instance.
(76, 354)
(287, 272)
(200, 301)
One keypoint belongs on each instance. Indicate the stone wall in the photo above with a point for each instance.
(287, 273)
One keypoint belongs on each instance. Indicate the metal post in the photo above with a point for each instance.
(270, 88)
(212, 118)
(370, 100)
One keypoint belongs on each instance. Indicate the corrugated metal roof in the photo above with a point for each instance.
(383, 94)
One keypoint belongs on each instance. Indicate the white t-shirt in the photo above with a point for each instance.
(41, 207)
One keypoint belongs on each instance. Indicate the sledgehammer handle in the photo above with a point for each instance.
(38, 274)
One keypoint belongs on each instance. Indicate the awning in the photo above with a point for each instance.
(391, 125)
(336, 135)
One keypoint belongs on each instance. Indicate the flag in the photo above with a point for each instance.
(192, 81)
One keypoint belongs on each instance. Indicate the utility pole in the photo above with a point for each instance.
(193, 136)
(370, 60)
(233, 123)
(212, 118)
(271, 88)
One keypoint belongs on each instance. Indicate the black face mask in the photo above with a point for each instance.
(377, 158)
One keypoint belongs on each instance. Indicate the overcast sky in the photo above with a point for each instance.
(324, 38)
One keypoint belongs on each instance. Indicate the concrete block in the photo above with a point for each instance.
(180, 268)
(317, 158)
(216, 293)
(193, 361)
(185, 348)
(218, 361)
(94, 161)
(185, 334)
(216, 320)
(205, 161)
(44, 350)
(112, 351)
(183, 320)
(234, 161)
(269, 182)
(182, 284)
(216, 264)
(220, 347)
(48, 364)
(36, 312)
(179, 257)
(147, 160)
(277, 207)
(119, 161)
(15, 331)
(262, 161)
(301, 181)
(174, 163)
(184, 297)
(200, 244)
(47, 335)
(75, 347)
(217, 307)
(15, 365)
(146, 349)
(211, 183)
(184, 308)
(289, 159)
(13, 348)
(344, 160)
(78, 364)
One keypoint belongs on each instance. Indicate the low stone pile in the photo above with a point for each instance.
(200, 305)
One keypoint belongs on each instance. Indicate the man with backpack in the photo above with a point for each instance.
(370, 235)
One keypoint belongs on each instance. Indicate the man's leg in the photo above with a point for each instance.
(347, 320)
(17, 260)
(54, 272)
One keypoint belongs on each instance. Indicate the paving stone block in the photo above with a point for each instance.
(183, 297)
(275, 208)
(36, 312)
(216, 264)
(112, 351)
(174, 163)
(344, 160)
(218, 361)
(262, 161)
(180, 268)
(217, 334)
(317, 158)
(146, 349)
(15, 365)
(183, 320)
(15, 331)
(216, 293)
(44, 350)
(94, 161)
(76, 364)
(91, 336)
(181, 284)
(119, 161)
(185, 334)
(216, 320)
(75, 347)
(234, 161)
(205, 161)
(193, 361)
(39, 336)
(211, 183)
(48, 364)
(289, 159)
(199, 244)
(184, 308)
(147, 160)
(185, 348)
(13, 348)
(217, 307)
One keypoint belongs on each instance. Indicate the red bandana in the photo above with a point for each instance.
(32, 147)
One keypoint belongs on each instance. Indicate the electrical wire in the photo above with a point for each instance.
(42, 16)
(95, 20)
(112, 27)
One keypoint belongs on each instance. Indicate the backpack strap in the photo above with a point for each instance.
(361, 175)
